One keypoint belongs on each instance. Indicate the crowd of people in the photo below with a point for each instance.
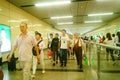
(110, 40)
(66, 46)
(61, 45)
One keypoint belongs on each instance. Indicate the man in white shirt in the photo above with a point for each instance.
(63, 48)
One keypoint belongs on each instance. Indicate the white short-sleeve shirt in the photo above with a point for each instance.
(64, 42)
(24, 45)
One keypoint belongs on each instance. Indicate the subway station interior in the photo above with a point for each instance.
(91, 19)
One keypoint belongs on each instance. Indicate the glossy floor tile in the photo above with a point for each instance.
(108, 71)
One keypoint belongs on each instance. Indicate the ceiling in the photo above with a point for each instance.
(79, 9)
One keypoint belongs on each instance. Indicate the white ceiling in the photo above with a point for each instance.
(78, 8)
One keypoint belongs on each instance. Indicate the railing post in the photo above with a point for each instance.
(98, 63)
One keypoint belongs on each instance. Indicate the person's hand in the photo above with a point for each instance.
(38, 59)
(58, 49)
(9, 58)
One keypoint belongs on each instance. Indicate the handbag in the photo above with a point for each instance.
(86, 61)
(50, 52)
(34, 50)
(76, 46)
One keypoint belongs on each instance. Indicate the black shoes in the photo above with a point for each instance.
(81, 67)
(56, 62)
(63, 65)
(53, 64)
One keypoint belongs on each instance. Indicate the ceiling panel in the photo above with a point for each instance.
(82, 8)
(74, 8)
(79, 9)
(103, 6)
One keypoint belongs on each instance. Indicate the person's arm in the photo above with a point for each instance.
(68, 44)
(116, 40)
(59, 44)
(51, 44)
(11, 53)
(42, 45)
(37, 51)
(83, 47)
(36, 48)
(15, 45)
(105, 41)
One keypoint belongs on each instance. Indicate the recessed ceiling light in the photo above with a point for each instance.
(53, 3)
(12, 21)
(62, 23)
(96, 21)
(0, 9)
(34, 25)
(59, 17)
(101, 14)
(103, 0)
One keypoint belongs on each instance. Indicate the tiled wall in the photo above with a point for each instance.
(110, 27)
(10, 12)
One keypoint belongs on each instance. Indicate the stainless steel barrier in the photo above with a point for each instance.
(99, 63)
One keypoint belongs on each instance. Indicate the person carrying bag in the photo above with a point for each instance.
(78, 49)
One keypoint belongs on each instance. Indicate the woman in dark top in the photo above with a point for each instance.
(54, 48)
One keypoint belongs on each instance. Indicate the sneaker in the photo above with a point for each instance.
(56, 62)
(64, 65)
(53, 64)
(61, 65)
(43, 71)
(114, 63)
(33, 76)
(81, 66)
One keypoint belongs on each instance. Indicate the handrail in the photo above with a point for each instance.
(99, 45)
(104, 45)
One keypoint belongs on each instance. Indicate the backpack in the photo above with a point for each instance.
(34, 50)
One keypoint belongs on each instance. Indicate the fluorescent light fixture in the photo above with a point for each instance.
(34, 25)
(0, 9)
(101, 14)
(103, 0)
(59, 17)
(65, 23)
(96, 21)
(53, 3)
(12, 21)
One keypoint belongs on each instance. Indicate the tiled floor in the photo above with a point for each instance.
(108, 71)
(70, 72)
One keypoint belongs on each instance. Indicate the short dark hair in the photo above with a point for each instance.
(56, 34)
(113, 35)
(24, 23)
(37, 33)
(51, 34)
(64, 30)
(108, 35)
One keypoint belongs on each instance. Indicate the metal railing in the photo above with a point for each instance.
(98, 47)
